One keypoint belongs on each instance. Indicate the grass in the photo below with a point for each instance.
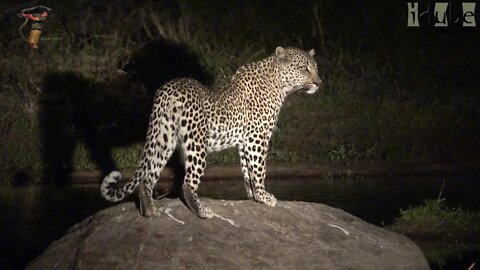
(441, 232)
(436, 220)
(378, 102)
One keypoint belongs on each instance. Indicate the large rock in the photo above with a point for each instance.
(243, 235)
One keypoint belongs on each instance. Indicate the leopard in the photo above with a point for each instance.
(199, 120)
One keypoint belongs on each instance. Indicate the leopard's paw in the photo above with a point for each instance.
(266, 198)
(205, 212)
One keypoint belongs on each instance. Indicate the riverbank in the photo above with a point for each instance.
(323, 170)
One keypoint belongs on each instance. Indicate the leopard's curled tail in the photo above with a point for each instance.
(109, 188)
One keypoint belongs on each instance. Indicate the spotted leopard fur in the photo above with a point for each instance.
(199, 120)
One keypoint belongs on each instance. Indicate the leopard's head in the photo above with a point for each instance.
(298, 70)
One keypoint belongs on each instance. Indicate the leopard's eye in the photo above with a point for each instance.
(305, 68)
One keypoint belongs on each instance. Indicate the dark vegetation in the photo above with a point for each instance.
(389, 93)
(441, 231)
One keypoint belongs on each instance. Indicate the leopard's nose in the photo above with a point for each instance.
(316, 80)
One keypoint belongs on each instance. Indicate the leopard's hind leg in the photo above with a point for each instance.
(160, 144)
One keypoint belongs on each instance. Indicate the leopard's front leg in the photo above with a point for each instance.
(256, 157)
(154, 160)
(246, 175)
(195, 152)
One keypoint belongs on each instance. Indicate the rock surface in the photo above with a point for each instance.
(243, 235)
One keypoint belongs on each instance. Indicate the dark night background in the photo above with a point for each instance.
(391, 93)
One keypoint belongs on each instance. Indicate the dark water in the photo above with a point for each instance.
(32, 217)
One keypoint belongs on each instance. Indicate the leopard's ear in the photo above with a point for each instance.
(282, 55)
(312, 52)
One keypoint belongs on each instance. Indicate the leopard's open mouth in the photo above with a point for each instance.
(311, 88)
